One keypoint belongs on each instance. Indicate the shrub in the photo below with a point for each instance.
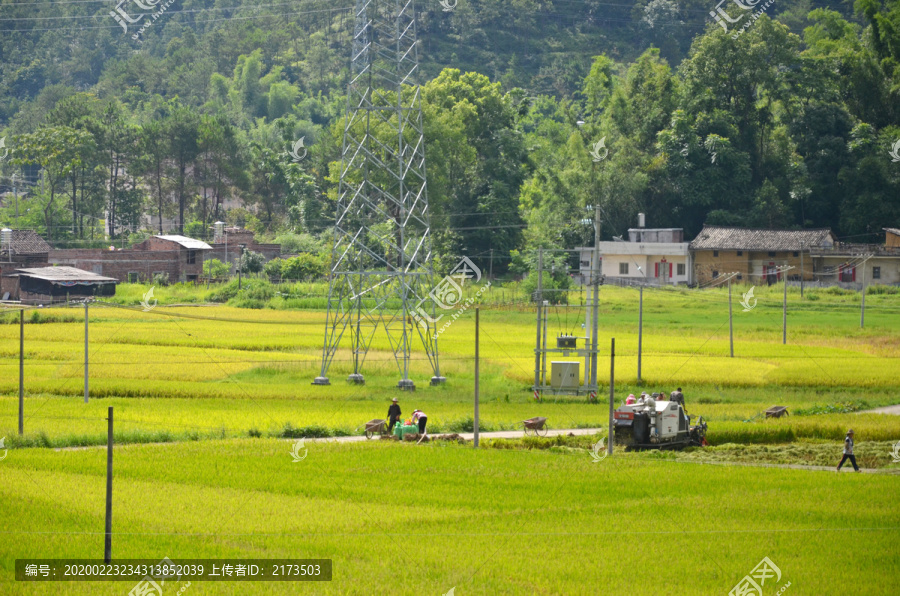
(879, 289)
(292, 243)
(215, 268)
(302, 267)
(288, 431)
(252, 289)
(160, 279)
(252, 262)
(272, 269)
(552, 282)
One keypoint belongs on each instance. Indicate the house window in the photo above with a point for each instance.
(623, 268)
(795, 253)
(680, 268)
(132, 277)
(585, 263)
(191, 257)
(771, 253)
(715, 253)
(876, 272)
(715, 274)
(740, 253)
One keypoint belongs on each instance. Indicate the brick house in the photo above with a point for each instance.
(178, 256)
(756, 254)
(25, 248)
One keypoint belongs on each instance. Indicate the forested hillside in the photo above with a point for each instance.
(190, 117)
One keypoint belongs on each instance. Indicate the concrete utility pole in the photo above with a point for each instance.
(640, 329)
(612, 393)
(240, 263)
(477, 320)
(537, 342)
(107, 543)
(595, 273)
(784, 308)
(862, 311)
(730, 321)
(491, 272)
(85, 351)
(801, 269)
(546, 306)
(16, 195)
(21, 372)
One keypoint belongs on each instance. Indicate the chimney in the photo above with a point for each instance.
(641, 222)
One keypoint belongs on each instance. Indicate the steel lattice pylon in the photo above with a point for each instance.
(381, 271)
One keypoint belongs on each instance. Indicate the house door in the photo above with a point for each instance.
(847, 273)
(664, 270)
(771, 272)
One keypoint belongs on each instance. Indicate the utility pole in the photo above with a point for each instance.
(21, 372)
(612, 393)
(730, 321)
(476, 375)
(16, 195)
(784, 308)
(85, 351)
(107, 544)
(595, 273)
(640, 328)
(240, 264)
(537, 341)
(491, 272)
(862, 312)
(546, 305)
(801, 269)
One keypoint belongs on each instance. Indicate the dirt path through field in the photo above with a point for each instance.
(847, 467)
(895, 410)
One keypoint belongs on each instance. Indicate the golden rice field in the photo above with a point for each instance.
(214, 371)
(201, 394)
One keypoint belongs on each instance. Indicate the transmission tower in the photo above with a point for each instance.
(381, 271)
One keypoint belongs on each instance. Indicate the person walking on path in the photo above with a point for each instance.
(848, 452)
(393, 414)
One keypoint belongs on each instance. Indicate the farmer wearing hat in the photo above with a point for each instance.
(393, 414)
(848, 452)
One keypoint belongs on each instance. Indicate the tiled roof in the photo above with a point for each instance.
(28, 242)
(895, 231)
(726, 238)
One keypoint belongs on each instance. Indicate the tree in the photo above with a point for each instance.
(57, 151)
(182, 130)
(478, 165)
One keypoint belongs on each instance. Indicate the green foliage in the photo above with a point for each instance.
(303, 267)
(160, 279)
(251, 262)
(292, 243)
(215, 268)
(838, 408)
(289, 431)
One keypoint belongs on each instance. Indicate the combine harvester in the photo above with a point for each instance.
(657, 424)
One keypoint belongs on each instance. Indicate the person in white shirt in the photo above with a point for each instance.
(420, 417)
(848, 452)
